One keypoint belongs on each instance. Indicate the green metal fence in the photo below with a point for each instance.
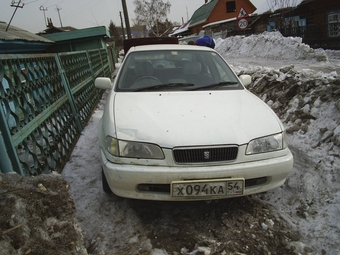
(46, 100)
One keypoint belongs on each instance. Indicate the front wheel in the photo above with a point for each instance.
(106, 186)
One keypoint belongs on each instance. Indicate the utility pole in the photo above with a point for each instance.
(121, 22)
(58, 9)
(16, 5)
(41, 8)
(126, 16)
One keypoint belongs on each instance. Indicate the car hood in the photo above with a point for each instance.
(193, 118)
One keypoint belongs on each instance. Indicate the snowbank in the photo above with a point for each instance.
(308, 103)
(270, 46)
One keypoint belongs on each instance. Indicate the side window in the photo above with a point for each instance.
(231, 6)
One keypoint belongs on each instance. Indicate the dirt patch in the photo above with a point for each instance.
(230, 226)
(37, 216)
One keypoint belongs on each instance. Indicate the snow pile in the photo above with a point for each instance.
(268, 45)
(308, 103)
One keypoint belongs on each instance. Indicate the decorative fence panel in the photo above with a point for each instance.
(45, 102)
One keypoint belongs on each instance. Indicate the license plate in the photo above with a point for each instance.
(202, 188)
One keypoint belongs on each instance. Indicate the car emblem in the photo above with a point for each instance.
(206, 155)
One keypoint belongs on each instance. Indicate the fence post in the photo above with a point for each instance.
(90, 64)
(69, 93)
(101, 61)
(92, 72)
(9, 158)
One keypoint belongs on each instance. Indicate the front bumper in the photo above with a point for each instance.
(125, 180)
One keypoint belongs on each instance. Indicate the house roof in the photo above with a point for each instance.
(181, 29)
(216, 23)
(305, 1)
(18, 34)
(201, 14)
(219, 22)
(78, 34)
(16, 40)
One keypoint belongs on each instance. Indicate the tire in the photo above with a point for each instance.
(106, 186)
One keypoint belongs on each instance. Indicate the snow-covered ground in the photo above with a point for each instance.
(310, 198)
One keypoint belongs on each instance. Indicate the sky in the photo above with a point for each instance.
(86, 13)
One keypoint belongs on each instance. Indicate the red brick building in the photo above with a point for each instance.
(217, 10)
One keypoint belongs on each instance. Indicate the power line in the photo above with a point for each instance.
(55, 4)
(32, 2)
(83, 7)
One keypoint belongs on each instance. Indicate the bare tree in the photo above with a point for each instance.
(164, 29)
(274, 5)
(279, 6)
(151, 13)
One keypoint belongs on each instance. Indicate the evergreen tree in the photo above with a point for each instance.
(114, 31)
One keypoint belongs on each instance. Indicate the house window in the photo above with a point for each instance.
(333, 18)
(231, 6)
(334, 24)
(271, 27)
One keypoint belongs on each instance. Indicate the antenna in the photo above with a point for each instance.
(16, 5)
(41, 8)
(187, 13)
(57, 8)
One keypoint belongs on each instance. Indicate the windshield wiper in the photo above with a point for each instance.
(216, 85)
(162, 86)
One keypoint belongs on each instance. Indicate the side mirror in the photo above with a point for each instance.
(103, 83)
(245, 79)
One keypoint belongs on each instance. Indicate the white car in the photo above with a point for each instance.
(178, 124)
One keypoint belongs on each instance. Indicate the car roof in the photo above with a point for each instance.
(168, 47)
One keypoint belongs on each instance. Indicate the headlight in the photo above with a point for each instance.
(140, 150)
(133, 149)
(267, 144)
(111, 145)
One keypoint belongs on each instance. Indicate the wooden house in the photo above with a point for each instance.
(218, 10)
(213, 12)
(316, 21)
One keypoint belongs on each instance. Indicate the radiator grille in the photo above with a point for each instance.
(201, 155)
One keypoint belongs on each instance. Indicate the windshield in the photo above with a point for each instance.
(166, 70)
